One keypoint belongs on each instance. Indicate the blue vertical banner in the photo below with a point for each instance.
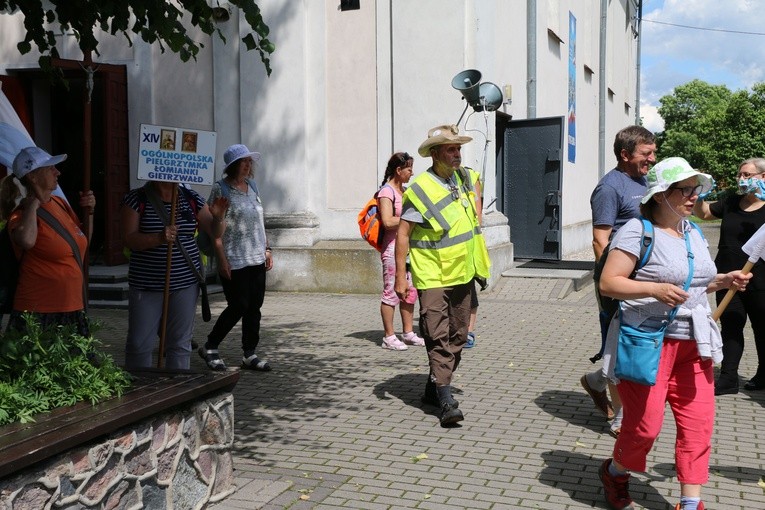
(571, 88)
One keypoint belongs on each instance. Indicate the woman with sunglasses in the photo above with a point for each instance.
(397, 173)
(691, 344)
(742, 214)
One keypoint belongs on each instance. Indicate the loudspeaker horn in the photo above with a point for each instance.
(468, 82)
(221, 13)
(489, 97)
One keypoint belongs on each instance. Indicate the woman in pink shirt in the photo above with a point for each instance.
(397, 173)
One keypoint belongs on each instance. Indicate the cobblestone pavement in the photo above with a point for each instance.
(338, 423)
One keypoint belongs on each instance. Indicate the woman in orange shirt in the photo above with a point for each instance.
(48, 242)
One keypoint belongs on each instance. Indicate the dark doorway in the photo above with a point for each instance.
(529, 184)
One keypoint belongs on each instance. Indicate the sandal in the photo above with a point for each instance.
(253, 363)
(212, 358)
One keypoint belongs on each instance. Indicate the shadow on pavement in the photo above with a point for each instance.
(406, 387)
(373, 335)
(574, 407)
(742, 475)
(575, 473)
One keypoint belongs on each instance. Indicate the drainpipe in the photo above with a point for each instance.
(637, 78)
(602, 89)
(392, 97)
(531, 59)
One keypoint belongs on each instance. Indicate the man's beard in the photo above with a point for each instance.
(445, 170)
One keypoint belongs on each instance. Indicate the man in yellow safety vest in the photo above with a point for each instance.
(440, 235)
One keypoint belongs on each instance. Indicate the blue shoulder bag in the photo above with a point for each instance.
(638, 352)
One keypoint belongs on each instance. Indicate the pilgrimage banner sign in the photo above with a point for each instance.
(173, 154)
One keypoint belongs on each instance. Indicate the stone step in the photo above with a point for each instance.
(577, 273)
(108, 286)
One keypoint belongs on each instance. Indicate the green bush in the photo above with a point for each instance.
(43, 369)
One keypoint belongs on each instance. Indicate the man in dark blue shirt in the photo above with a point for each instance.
(616, 200)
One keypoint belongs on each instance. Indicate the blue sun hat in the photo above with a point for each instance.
(669, 171)
(237, 152)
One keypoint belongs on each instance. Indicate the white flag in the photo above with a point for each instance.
(14, 137)
(755, 246)
(13, 134)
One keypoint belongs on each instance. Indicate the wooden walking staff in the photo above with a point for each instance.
(166, 296)
(87, 138)
(754, 248)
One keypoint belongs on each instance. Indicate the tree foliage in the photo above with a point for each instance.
(154, 21)
(713, 128)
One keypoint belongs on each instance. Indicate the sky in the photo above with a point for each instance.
(727, 52)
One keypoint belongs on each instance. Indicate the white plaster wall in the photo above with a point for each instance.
(349, 88)
(277, 117)
(427, 51)
(182, 94)
(579, 178)
(351, 97)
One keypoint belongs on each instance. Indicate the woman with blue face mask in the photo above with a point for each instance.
(742, 214)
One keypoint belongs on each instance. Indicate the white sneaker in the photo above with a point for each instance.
(392, 342)
(411, 338)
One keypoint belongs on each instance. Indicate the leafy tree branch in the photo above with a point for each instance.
(713, 128)
(154, 21)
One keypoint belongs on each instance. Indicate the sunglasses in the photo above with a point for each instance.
(688, 191)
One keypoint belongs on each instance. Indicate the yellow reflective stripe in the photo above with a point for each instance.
(430, 207)
(444, 202)
(444, 242)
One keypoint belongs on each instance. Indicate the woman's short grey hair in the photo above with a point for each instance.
(759, 164)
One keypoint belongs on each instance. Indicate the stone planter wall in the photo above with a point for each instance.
(175, 461)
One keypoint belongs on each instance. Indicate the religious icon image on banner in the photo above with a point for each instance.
(167, 140)
(189, 142)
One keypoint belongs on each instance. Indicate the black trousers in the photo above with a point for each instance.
(244, 293)
(751, 304)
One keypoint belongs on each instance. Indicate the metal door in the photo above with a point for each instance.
(529, 154)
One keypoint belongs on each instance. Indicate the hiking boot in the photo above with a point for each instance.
(431, 395)
(615, 488)
(450, 414)
(679, 506)
(412, 338)
(599, 398)
(393, 343)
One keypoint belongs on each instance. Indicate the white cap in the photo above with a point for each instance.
(32, 158)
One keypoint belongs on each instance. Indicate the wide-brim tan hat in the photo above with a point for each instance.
(442, 135)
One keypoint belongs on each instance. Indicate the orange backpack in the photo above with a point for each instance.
(370, 223)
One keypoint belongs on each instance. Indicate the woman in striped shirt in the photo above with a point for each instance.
(146, 235)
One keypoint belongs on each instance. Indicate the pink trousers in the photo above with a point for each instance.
(687, 383)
